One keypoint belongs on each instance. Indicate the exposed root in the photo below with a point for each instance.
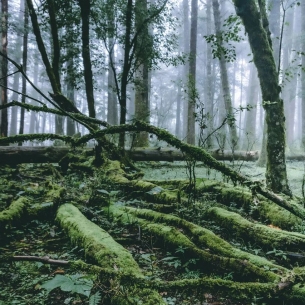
(266, 237)
(106, 252)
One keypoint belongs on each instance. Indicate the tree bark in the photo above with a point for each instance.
(142, 105)
(276, 175)
(24, 65)
(85, 7)
(4, 68)
(303, 77)
(192, 91)
(225, 81)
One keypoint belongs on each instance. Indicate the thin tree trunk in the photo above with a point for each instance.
(123, 97)
(112, 114)
(4, 68)
(186, 50)
(192, 91)
(85, 6)
(178, 111)
(70, 95)
(24, 65)
(15, 97)
(225, 82)
(303, 77)
(250, 116)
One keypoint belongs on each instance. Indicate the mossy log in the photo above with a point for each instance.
(24, 209)
(260, 208)
(14, 212)
(263, 236)
(104, 251)
(41, 154)
(203, 238)
(173, 237)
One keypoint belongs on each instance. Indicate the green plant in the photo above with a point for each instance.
(279, 253)
(75, 283)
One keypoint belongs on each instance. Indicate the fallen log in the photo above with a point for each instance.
(52, 154)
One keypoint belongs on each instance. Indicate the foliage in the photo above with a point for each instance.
(230, 34)
(75, 283)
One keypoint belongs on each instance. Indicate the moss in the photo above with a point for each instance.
(55, 193)
(224, 288)
(97, 243)
(205, 238)
(173, 237)
(15, 211)
(266, 210)
(117, 175)
(261, 235)
(107, 253)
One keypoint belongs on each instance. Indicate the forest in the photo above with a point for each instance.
(152, 152)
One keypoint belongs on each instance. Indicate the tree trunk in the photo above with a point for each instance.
(85, 7)
(24, 65)
(192, 91)
(303, 76)
(71, 96)
(126, 67)
(209, 80)
(4, 68)
(186, 50)
(178, 110)
(142, 105)
(225, 82)
(275, 14)
(276, 175)
(250, 116)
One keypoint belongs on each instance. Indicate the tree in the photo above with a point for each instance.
(24, 65)
(85, 7)
(142, 75)
(4, 69)
(276, 175)
(192, 91)
(224, 79)
(303, 78)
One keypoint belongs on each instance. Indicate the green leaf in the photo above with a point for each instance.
(103, 192)
(74, 283)
(95, 298)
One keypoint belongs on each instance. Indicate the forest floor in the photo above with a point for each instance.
(178, 170)
(32, 282)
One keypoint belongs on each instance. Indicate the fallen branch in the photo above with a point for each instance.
(44, 259)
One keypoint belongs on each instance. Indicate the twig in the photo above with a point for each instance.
(44, 259)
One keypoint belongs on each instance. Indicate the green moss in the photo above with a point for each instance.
(106, 252)
(98, 244)
(266, 210)
(205, 239)
(225, 288)
(174, 238)
(261, 235)
(15, 211)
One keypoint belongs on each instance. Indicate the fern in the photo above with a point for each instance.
(95, 298)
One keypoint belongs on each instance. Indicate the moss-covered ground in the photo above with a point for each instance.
(130, 241)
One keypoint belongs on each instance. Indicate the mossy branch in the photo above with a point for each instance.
(36, 137)
(201, 155)
(46, 109)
